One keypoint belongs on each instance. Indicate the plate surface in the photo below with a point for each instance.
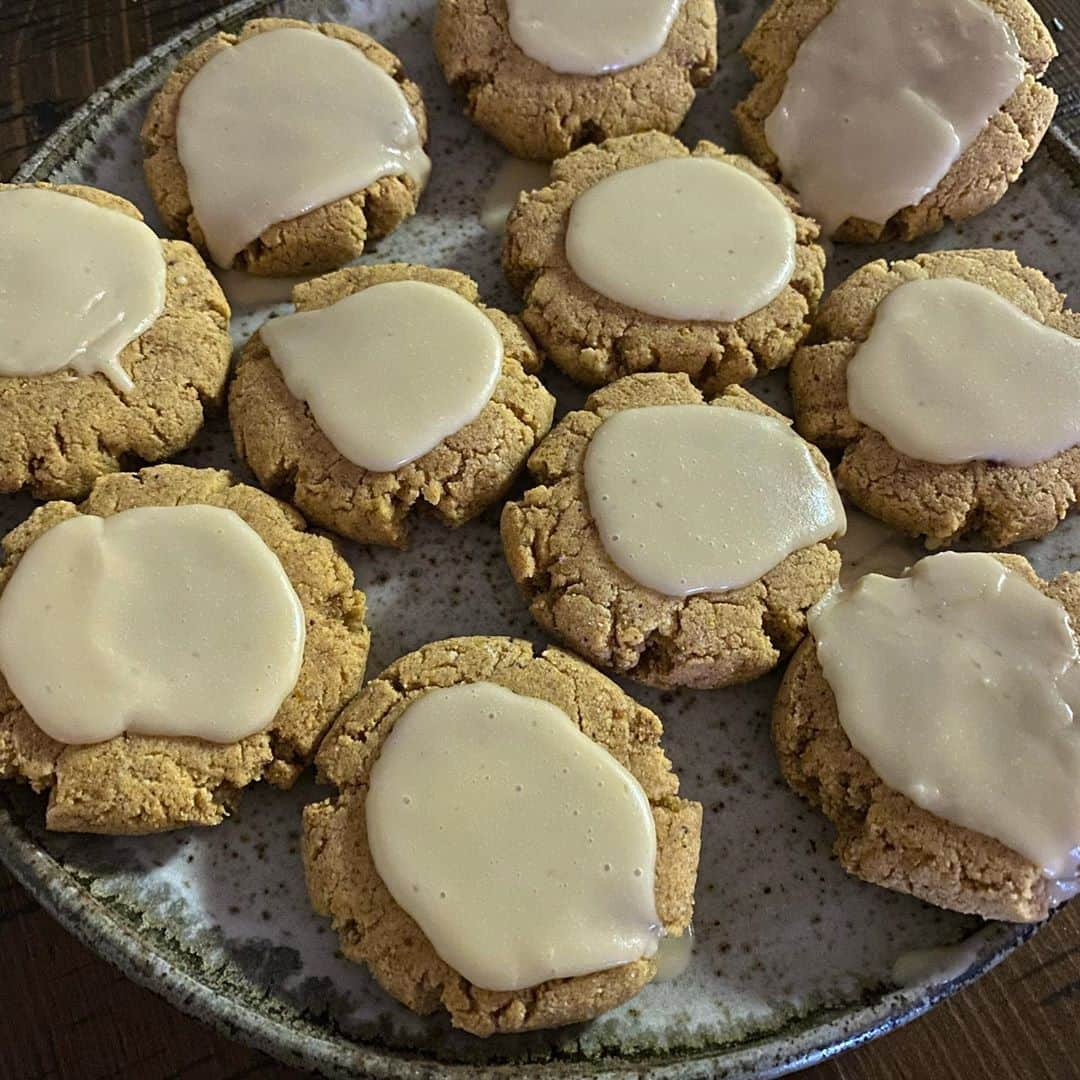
(793, 957)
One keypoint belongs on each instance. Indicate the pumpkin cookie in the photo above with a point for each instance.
(313, 242)
(577, 592)
(990, 153)
(140, 783)
(596, 339)
(338, 848)
(1003, 503)
(466, 472)
(539, 113)
(882, 835)
(58, 433)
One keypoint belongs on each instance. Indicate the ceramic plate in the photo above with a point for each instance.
(793, 957)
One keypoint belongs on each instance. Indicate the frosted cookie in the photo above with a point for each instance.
(950, 382)
(284, 148)
(930, 719)
(643, 256)
(113, 343)
(171, 640)
(393, 388)
(890, 119)
(670, 543)
(528, 880)
(544, 78)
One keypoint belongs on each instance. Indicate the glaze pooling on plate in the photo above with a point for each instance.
(513, 177)
(883, 97)
(284, 122)
(390, 371)
(683, 238)
(953, 372)
(78, 283)
(761, 993)
(594, 38)
(176, 621)
(521, 847)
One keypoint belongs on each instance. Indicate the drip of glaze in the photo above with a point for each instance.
(249, 292)
(673, 956)
(78, 283)
(513, 177)
(935, 966)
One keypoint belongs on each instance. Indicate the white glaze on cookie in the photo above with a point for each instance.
(958, 684)
(390, 371)
(78, 282)
(953, 372)
(176, 621)
(882, 98)
(683, 238)
(521, 847)
(699, 498)
(282, 123)
(593, 38)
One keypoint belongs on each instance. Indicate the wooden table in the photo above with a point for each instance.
(69, 1014)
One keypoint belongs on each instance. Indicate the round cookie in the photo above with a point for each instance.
(1003, 503)
(882, 836)
(142, 784)
(344, 884)
(542, 114)
(595, 339)
(579, 595)
(468, 471)
(320, 240)
(58, 434)
(976, 180)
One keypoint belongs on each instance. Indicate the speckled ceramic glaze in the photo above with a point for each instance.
(793, 956)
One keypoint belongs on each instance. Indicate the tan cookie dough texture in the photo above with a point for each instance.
(320, 240)
(59, 433)
(578, 594)
(144, 784)
(882, 836)
(542, 114)
(982, 173)
(595, 339)
(374, 930)
(467, 472)
(1003, 503)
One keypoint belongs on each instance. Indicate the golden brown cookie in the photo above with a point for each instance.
(882, 836)
(976, 180)
(1003, 503)
(468, 471)
(144, 784)
(320, 240)
(345, 886)
(58, 434)
(595, 339)
(579, 595)
(542, 114)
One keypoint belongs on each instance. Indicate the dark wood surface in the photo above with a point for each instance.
(66, 1013)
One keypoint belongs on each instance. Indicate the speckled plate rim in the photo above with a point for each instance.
(123, 942)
